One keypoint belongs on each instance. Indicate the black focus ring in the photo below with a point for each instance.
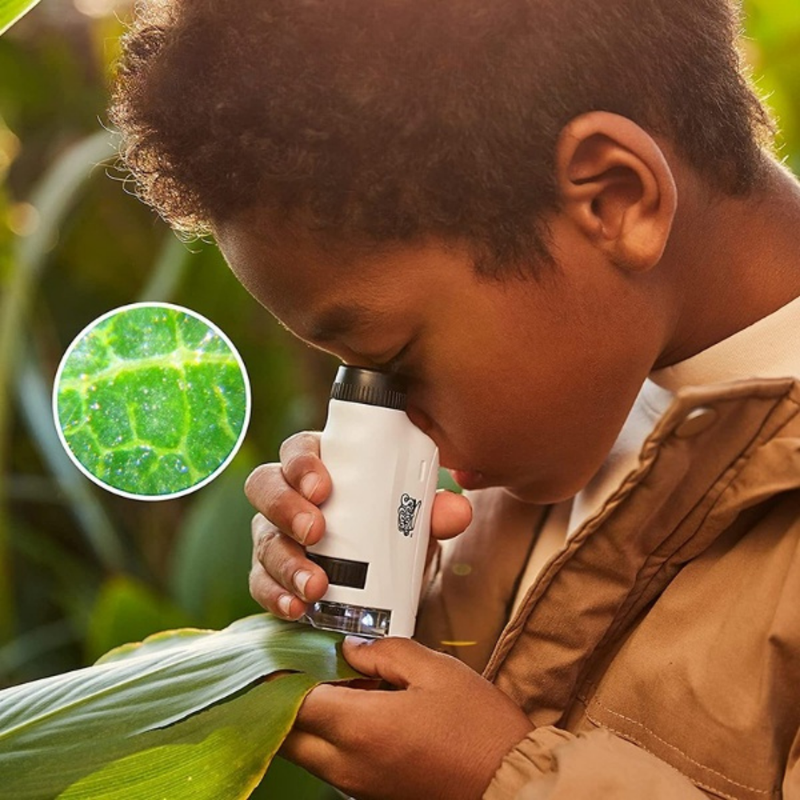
(369, 386)
(369, 395)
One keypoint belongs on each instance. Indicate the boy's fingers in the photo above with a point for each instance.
(267, 490)
(283, 579)
(273, 597)
(314, 753)
(336, 714)
(451, 514)
(303, 468)
(281, 572)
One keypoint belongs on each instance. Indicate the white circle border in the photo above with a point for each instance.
(234, 450)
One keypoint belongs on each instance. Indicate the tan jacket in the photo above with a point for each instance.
(658, 653)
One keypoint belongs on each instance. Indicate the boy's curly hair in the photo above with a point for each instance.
(393, 119)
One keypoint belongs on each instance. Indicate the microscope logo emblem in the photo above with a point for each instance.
(407, 514)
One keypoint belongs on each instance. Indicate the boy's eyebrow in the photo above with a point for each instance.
(338, 320)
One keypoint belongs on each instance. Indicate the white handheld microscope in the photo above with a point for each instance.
(384, 472)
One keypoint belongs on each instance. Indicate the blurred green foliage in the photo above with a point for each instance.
(773, 50)
(82, 571)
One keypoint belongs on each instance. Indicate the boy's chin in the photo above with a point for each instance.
(538, 490)
(544, 492)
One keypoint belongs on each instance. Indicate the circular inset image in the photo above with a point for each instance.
(151, 401)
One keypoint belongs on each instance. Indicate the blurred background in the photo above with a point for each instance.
(82, 570)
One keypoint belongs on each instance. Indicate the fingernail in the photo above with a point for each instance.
(301, 525)
(285, 604)
(309, 484)
(300, 580)
(357, 641)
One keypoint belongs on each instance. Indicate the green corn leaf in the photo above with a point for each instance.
(12, 10)
(194, 759)
(190, 705)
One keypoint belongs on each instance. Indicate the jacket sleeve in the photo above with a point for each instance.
(791, 781)
(552, 764)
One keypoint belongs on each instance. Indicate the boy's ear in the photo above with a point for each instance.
(616, 185)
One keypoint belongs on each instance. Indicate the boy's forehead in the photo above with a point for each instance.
(254, 243)
(320, 290)
(274, 262)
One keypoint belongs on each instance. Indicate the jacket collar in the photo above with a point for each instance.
(718, 451)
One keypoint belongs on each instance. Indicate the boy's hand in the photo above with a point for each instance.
(287, 495)
(442, 736)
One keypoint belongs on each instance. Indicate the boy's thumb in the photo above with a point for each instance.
(451, 515)
(398, 661)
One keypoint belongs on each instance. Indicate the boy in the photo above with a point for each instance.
(562, 224)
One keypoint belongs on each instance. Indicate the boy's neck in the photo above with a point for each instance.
(736, 261)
